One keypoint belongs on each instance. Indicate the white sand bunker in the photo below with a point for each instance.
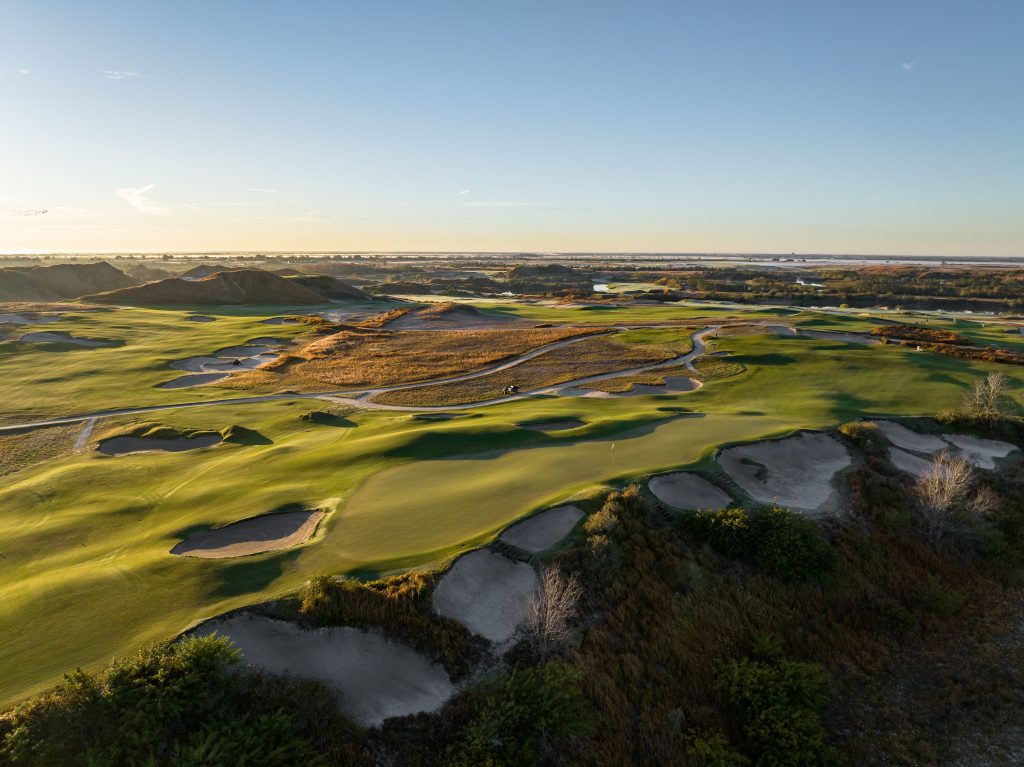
(981, 452)
(224, 362)
(281, 321)
(673, 385)
(686, 490)
(908, 462)
(543, 530)
(29, 318)
(63, 338)
(127, 445)
(901, 436)
(267, 532)
(197, 379)
(372, 677)
(847, 338)
(487, 593)
(796, 471)
(200, 318)
(563, 425)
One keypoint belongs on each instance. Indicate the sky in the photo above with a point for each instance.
(821, 126)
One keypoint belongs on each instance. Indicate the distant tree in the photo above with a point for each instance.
(989, 397)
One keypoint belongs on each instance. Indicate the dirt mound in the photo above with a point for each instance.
(796, 471)
(543, 530)
(267, 532)
(686, 490)
(371, 677)
(202, 271)
(238, 286)
(331, 287)
(61, 281)
(487, 593)
(445, 316)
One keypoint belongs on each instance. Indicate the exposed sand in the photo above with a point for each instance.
(126, 445)
(849, 338)
(981, 452)
(487, 593)
(796, 471)
(673, 385)
(908, 439)
(280, 321)
(267, 532)
(200, 318)
(686, 490)
(29, 319)
(62, 338)
(908, 462)
(568, 423)
(372, 677)
(196, 379)
(543, 530)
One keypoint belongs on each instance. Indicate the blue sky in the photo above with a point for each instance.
(844, 127)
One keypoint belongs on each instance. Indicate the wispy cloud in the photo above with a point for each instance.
(264, 191)
(120, 74)
(311, 217)
(23, 71)
(139, 200)
(465, 191)
(908, 66)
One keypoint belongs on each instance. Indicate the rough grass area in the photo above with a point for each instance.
(377, 358)
(19, 451)
(586, 358)
(622, 384)
(716, 368)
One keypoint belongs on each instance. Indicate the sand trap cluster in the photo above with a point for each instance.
(63, 338)
(905, 438)
(686, 490)
(543, 530)
(796, 471)
(563, 425)
(372, 677)
(224, 362)
(267, 532)
(980, 452)
(673, 385)
(128, 445)
(487, 593)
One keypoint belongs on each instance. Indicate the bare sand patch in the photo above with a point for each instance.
(200, 318)
(908, 462)
(127, 445)
(487, 593)
(908, 439)
(223, 362)
(686, 490)
(196, 379)
(563, 425)
(29, 319)
(981, 452)
(63, 338)
(281, 321)
(267, 532)
(795, 471)
(372, 677)
(673, 385)
(543, 530)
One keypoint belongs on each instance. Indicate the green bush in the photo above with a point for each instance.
(778, 704)
(728, 531)
(865, 435)
(523, 718)
(791, 547)
(933, 596)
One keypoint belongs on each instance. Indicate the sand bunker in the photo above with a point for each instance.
(673, 385)
(564, 425)
(193, 380)
(29, 319)
(200, 318)
(372, 677)
(63, 338)
(796, 471)
(267, 532)
(686, 490)
(487, 593)
(280, 321)
(981, 452)
(901, 436)
(543, 530)
(127, 445)
(848, 338)
(908, 462)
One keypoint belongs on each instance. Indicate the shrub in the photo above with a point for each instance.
(865, 435)
(791, 547)
(933, 596)
(778, 703)
(728, 531)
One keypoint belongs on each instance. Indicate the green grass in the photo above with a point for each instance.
(85, 538)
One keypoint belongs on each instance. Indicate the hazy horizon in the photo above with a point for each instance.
(724, 128)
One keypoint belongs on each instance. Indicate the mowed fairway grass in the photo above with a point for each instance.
(85, 538)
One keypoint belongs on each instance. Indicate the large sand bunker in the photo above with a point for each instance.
(686, 490)
(372, 677)
(543, 530)
(267, 532)
(673, 385)
(796, 471)
(908, 462)
(127, 445)
(487, 593)
(63, 338)
(29, 318)
(901, 436)
(223, 362)
(981, 452)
